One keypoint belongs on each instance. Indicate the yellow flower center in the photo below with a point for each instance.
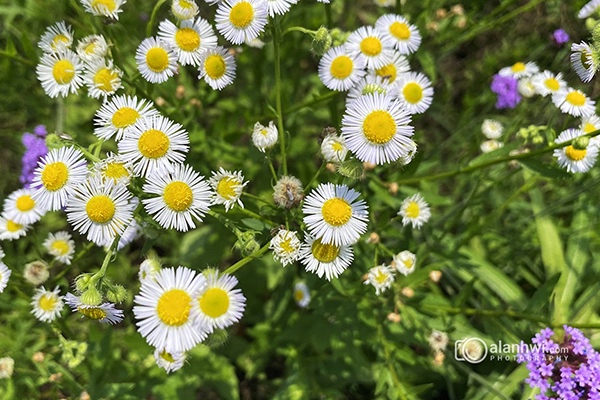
(412, 210)
(185, 4)
(336, 211)
(124, 117)
(104, 79)
(371, 46)
(387, 71)
(63, 71)
(379, 127)
(178, 196)
(400, 30)
(518, 67)
(413, 93)
(215, 66)
(100, 209)
(47, 302)
(12, 226)
(103, 5)
(226, 188)
(187, 39)
(574, 154)
(90, 48)
(167, 357)
(589, 127)
(25, 203)
(576, 98)
(380, 277)
(324, 253)
(174, 307)
(153, 143)
(341, 67)
(214, 302)
(157, 59)
(263, 132)
(115, 171)
(585, 56)
(241, 15)
(298, 294)
(94, 313)
(286, 246)
(61, 247)
(408, 263)
(552, 84)
(337, 146)
(55, 176)
(58, 39)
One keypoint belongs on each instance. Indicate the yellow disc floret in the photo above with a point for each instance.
(187, 39)
(174, 307)
(157, 59)
(214, 302)
(55, 176)
(215, 66)
(100, 209)
(412, 92)
(153, 144)
(371, 46)
(574, 154)
(226, 188)
(241, 15)
(341, 67)
(63, 71)
(178, 196)
(124, 117)
(336, 211)
(25, 203)
(379, 127)
(324, 253)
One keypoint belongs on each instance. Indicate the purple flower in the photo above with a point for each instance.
(506, 87)
(560, 36)
(35, 149)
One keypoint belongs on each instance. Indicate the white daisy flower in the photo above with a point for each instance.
(100, 210)
(325, 259)
(241, 20)
(546, 83)
(166, 309)
(375, 128)
(104, 8)
(114, 168)
(286, 246)
(219, 305)
(228, 187)
(217, 67)
(170, 362)
(61, 246)
(490, 145)
(154, 145)
(279, 7)
(156, 61)
(410, 155)
(60, 73)
(4, 276)
(375, 47)
(92, 47)
(333, 148)
(182, 194)
(105, 313)
(333, 214)
(301, 294)
(57, 175)
(189, 40)
(148, 269)
(184, 9)
(492, 129)
(398, 65)
(414, 210)
(21, 208)
(590, 123)
(102, 78)
(1, 254)
(119, 114)
(588, 9)
(10, 230)
(573, 159)
(526, 88)
(380, 277)
(47, 305)
(574, 102)
(372, 84)
(582, 61)
(415, 92)
(404, 36)
(57, 37)
(520, 70)
(339, 70)
(264, 137)
(404, 262)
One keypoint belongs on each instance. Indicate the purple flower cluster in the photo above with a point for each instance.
(35, 149)
(507, 89)
(567, 370)
(560, 37)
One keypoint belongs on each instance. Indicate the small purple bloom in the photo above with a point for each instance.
(506, 87)
(560, 36)
(35, 149)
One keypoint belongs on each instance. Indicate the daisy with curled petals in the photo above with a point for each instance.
(339, 70)
(576, 158)
(217, 67)
(155, 145)
(148, 269)
(279, 7)
(490, 145)
(371, 84)
(11, 230)
(57, 37)
(590, 123)
(520, 70)
(4, 276)
(588, 9)
(114, 168)
(375, 128)
(404, 36)
(492, 129)
(380, 277)
(189, 40)
(184, 9)
(101, 210)
(547, 83)
(170, 362)
(20, 207)
(166, 309)
(392, 70)
(325, 259)
(104, 8)
(333, 148)
(286, 246)
(156, 60)
(119, 114)
(372, 45)
(404, 262)
(415, 211)
(56, 177)
(241, 20)
(574, 102)
(228, 187)
(105, 313)
(61, 246)
(582, 61)
(92, 47)
(102, 78)
(333, 214)
(47, 305)
(264, 137)
(218, 305)
(301, 294)
(415, 92)
(60, 73)
(182, 194)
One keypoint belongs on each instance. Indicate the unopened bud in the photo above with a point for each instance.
(160, 101)
(435, 276)
(82, 282)
(590, 24)
(330, 167)
(408, 292)
(53, 141)
(38, 357)
(368, 166)
(393, 187)
(581, 143)
(438, 358)
(247, 244)
(338, 36)
(180, 92)
(116, 294)
(394, 317)
(373, 238)
(321, 42)
(91, 297)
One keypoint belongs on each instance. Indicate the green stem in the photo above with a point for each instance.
(258, 253)
(86, 152)
(77, 257)
(298, 29)
(15, 57)
(314, 178)
(109, 255)
(152, 20)
(312, 102)
(484, 313)
(60, 115)
(276, 44)
(399, 7)
(328, 15)
(272, 168)
(251, 196)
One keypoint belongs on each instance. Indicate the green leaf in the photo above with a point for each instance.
(543, 294)
(548, 171)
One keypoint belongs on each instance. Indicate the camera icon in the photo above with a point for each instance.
(472, 350)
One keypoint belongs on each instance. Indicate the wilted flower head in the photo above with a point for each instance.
(7, 366)
(288, 192)
(36, 272)
(438, 340)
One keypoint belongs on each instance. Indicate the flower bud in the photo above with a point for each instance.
(435, 276)
(394, 317)
(82, 282)
(321, 42)
(116, 294)
(54, 141)
(581, 143)
(91, 297)
(408, 292)
(247, 244)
